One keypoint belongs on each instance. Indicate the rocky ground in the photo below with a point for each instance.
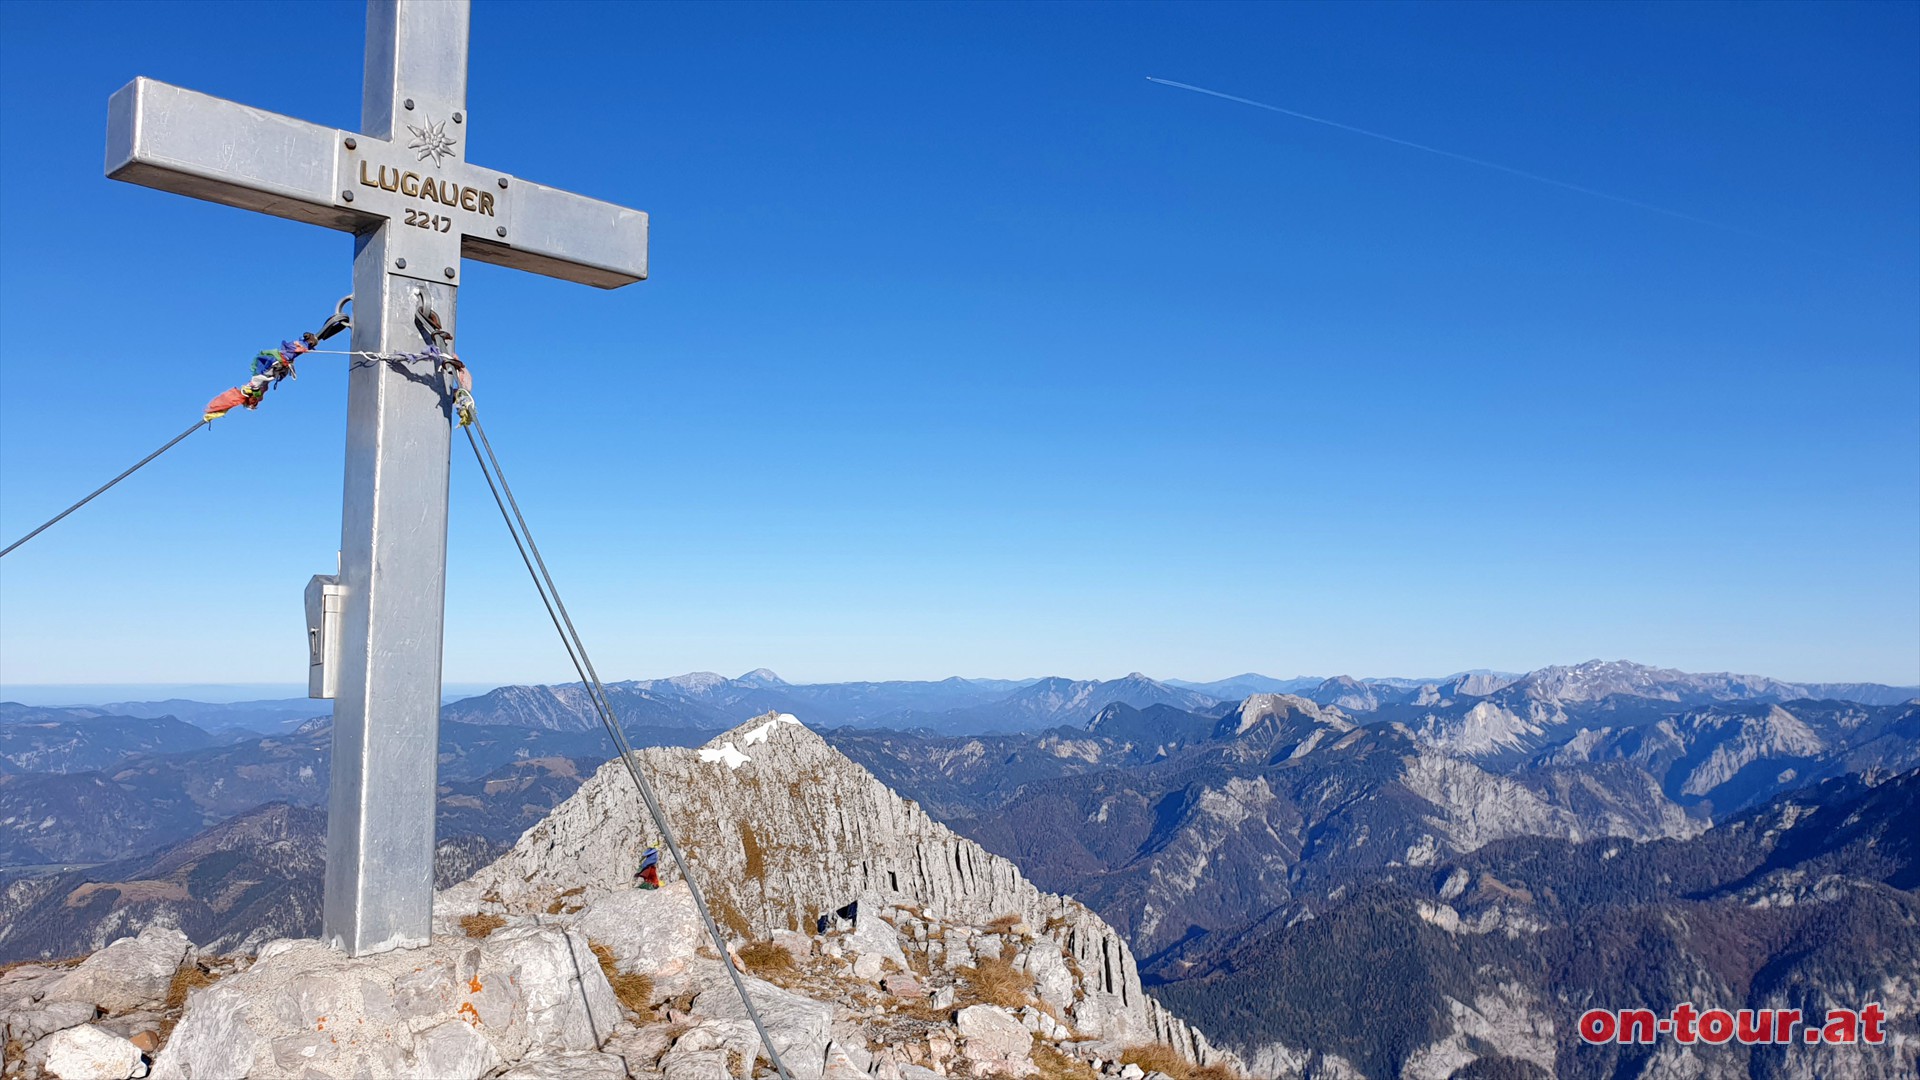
(549, 964)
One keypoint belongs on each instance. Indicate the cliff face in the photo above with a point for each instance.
(782, 828)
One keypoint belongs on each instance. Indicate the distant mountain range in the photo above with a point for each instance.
(1281, 793)
(705, 701)
(1461, 856)
(215, 717)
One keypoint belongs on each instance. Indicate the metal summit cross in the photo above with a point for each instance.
(402, 186)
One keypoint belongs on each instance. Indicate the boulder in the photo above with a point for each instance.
(1053, 980)
(566, 998)
(940, 1047)
(903, 986)
(456, 1008)
(213, 1038)
(874, 936)
(26, 984)
(1037, 1021)
(995, 1042)
(127, 974)
(707, 1050)
(653, 932)
(451, 1048)
(841, 1066)
(127, 1025)
(797, 1026)
(798, 945)
(88, 1053)
(33, 1022)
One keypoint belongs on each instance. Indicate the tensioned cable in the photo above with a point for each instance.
(334, 324)
(583, 666)
(101, 490)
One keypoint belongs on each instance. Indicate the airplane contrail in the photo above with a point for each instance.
(1482, 162)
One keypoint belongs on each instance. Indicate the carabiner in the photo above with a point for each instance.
(336, 322)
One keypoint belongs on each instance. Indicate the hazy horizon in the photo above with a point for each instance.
(46, 695)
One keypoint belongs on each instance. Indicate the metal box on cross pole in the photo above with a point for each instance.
(403, 187)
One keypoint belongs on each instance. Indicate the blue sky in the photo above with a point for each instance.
(968, 350)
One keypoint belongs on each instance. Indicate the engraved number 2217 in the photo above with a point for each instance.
(432, 222)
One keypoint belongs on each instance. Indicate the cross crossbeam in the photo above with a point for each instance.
(402, 186)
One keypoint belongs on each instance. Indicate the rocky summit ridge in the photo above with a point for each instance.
(874, 942)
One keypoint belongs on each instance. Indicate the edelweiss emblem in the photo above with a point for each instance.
(432, 141)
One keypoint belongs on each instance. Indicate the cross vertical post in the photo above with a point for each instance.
(393, 522)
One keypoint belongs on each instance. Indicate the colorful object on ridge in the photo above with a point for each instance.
(649, 873)
(269, 368)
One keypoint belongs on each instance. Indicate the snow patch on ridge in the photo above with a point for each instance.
(726, 752)
(759, 734)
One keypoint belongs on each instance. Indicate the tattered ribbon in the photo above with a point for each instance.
(270, 366)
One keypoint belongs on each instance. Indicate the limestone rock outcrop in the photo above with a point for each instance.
(128, 974)
(784, 829)
(88, 1053)
(457, 1008)
(995, 1041)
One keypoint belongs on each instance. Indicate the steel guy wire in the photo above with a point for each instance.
(589, 678)
(97, 492)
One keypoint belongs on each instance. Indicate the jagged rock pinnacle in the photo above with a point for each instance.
(783, 828)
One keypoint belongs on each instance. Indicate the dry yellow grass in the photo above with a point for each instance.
(729, 916)
(1004, 924)
(919, 963)
(1152, 1056)
(634, 992)
(769, 961)
(756, 859)
(560, 905)
(188, 979)
(479, 926)
(995, 981)
(185, 981)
